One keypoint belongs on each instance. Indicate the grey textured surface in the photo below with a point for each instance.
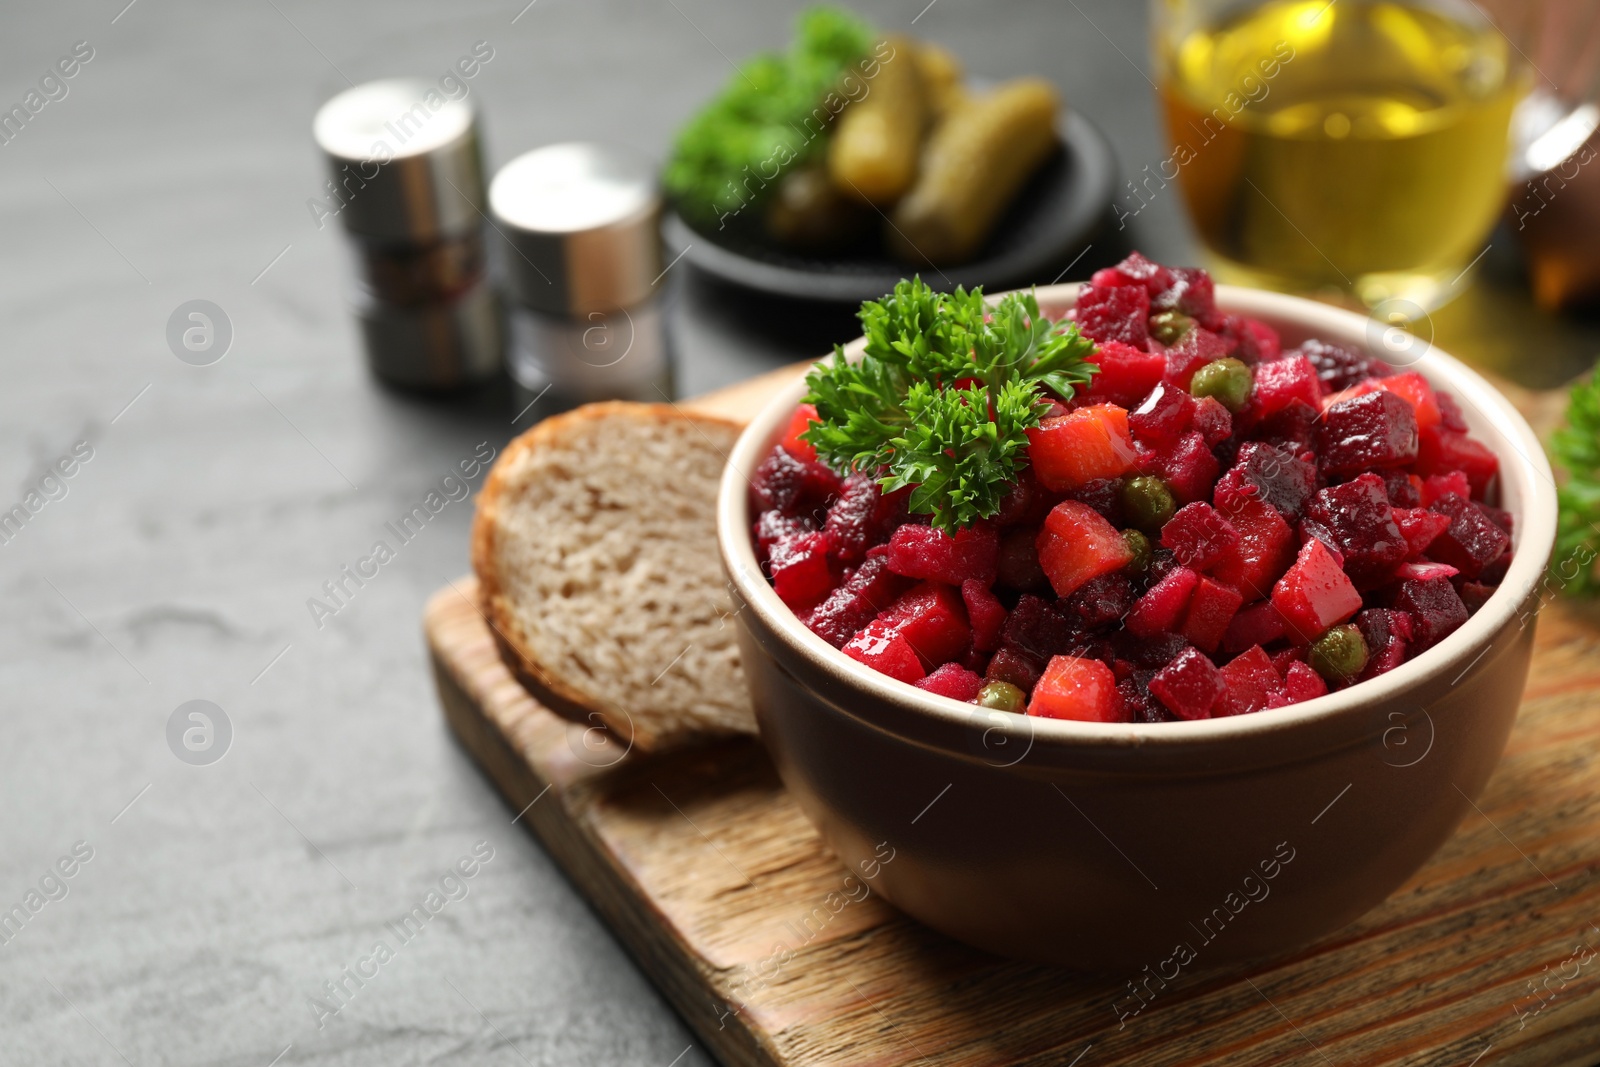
(178, 565)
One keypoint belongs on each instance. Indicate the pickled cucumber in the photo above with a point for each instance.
(808, 212)
(941, 78)
(876, 142)
(974, 163)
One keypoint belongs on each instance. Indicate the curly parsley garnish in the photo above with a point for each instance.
(943, 396)
(1576, 449)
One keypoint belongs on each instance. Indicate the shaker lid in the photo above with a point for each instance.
(404, 158)
(580, 228)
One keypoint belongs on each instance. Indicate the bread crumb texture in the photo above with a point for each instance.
(605, 553)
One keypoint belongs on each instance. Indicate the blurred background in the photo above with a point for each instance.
(190, 335)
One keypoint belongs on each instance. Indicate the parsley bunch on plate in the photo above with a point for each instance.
(944, 395)
(1576, 449)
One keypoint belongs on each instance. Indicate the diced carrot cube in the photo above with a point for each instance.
(1074, 449)
(1077, 544)
(1076, 688)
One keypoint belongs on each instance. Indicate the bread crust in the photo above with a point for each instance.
(543, 683)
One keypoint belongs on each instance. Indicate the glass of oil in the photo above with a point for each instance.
(1356, 149)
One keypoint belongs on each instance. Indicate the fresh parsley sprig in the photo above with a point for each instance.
(1576, 449)
(944, 395)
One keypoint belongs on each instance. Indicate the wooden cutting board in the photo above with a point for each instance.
(708, 872)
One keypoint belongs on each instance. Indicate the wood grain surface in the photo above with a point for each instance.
(711, 876)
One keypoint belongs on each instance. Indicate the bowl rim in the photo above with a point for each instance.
(1522, 460)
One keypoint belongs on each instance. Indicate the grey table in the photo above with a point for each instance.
(206, 505)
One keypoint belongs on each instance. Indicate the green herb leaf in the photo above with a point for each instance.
(943, 396)
(1575, 448)
(766, 119)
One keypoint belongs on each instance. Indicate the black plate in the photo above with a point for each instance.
(1039, 233)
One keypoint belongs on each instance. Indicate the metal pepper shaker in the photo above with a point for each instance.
(407, 185)
(579, 239)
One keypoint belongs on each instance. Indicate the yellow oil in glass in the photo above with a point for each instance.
(1354, 146)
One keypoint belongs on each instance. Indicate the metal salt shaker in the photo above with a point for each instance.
(407, 184)
(580, 249)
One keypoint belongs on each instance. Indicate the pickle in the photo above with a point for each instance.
(808, 212)
(974, 163)
(873, 153)
(941, 78)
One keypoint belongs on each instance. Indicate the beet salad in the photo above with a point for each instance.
(1146, 512)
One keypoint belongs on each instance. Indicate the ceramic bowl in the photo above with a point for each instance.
(1170, 846)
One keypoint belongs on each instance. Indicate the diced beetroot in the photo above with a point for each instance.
(1194, 350)
(1258, 342)
(1474, 594)
(1412, 388)
(1258, 624)
(1438, 485)
(1264, 550)
(1282, 381)
(1339, 367)
(1422, 570)
(1388, 635)
(1405, 490)
(1284, 658)
(1450, 416)
(1135, 270)
(1419, 527)
(885, 651)
(1102, 494)
(1100, 601)
(1495, 572)
(1076, 544)
(1188, 467)
(1358, 515)
(1162, 416)
(858, 518)
(1435, 608)
(1076, 688)
(1294, 429)
(1212, 421)
(798, 567)
(1472, 541)
(1118, 313)
(1211, 608)
(952, 680)
(934, 620)
(1025, 502)
(773, 525)
(1314, 593)
(1252, 683)
(1126, 373)
(1190, 291)
(1015, 665)
(1160, 608)
(1017, 566)
(856, 602)
(784, 483)
(1366, 432)
(1303, 683)
(985, 612)
(1081, 446)
(1499, 516)
(1198, 535)
(804, 416)
(1269, 473)
(1041, 627)
(1447, 450)
(918, 551)
(1189, 686)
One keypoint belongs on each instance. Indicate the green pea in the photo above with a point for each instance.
(1139, 545)
(1169, 326)
(1228, 380)
(1339, 654)
(1147, 502)
(1002, 696)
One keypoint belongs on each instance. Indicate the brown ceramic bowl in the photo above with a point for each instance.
(1172, 845)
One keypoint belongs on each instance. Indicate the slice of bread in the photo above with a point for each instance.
(596, 552)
